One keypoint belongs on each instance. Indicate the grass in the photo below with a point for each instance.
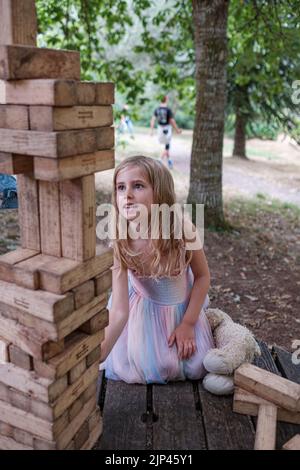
(262, 203)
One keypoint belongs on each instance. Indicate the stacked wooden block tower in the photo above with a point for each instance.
(55, 133)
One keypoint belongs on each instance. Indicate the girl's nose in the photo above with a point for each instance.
(128, 192)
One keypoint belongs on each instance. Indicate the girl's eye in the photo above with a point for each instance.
(139, 185)
(121, 187)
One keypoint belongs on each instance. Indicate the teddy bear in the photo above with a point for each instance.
(235, 344)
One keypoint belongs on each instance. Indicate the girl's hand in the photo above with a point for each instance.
(184, 335)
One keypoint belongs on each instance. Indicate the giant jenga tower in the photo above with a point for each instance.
(54, 134)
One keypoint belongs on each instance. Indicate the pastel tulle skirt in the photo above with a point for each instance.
(141, 353)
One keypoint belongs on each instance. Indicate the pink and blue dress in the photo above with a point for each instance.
(156, 307)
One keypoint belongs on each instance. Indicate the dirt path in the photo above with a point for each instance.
(273, 168)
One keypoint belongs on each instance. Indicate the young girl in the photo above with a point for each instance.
(158, 330)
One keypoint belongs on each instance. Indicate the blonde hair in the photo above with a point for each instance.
(168, 257)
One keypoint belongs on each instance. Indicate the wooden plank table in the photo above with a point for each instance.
(182, 415)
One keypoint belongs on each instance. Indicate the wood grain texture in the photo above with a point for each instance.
(51, 169)
(28, 211)
(19, 62)
(47, 92)
(11, 164)
(18, 22)
(56, 144)
(48, 119)
(78, 218)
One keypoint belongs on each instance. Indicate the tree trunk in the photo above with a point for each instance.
(210, 24)
(239, 149)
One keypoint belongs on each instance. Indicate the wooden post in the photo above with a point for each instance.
(18, 22)
(265, 438)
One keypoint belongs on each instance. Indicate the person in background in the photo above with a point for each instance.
(165, 120)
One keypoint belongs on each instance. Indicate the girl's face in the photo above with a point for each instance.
(133, 189)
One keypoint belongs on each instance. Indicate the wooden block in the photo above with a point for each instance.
(58, 144)
(90, 391)
(265, 437)
(74, 320)
(23, 420)
(14, 117)
(45, 305)
(84, 293)
(30, 333)
(4, 350)
(95, 323)
(30, 423)
(95, 419)
(75, 408)
(42, 444)
(37, 387)
(27, 339)
(248, 404)
(77, 348)
(52, 348)
(103, 282)
(81, 436)
(28, 211)
(4, 393)
(76, 431)
(18, 22)
(23, 437)
(38, 92)
(19, 400)
(63, 274)
(51, 169)
(78, 218)
(77, 371)
(105, 93)
(56, 93)
(10, 259)
(48, 118)
(6, 429)
(20, 358)
(86, 93)
(26, 274)
(93, 437)
(70, 446)
(94, 356)
(11, 164)
(76, 424)
(293, 444)
(75, 390)
(105, 137)
(7, 443)
(50, 225)
(272, 387)
(24, 62)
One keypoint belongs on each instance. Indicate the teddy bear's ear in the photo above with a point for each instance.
(215, 316)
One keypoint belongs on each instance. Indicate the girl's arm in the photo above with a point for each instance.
(119, 311)
(184, 334)
(200, 287)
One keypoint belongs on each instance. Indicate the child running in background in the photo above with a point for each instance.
(158, 330)
(165, 121)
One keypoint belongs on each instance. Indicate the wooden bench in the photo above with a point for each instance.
(182, 415)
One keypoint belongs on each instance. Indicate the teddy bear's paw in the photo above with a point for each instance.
(218, 384)
(215, 362)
